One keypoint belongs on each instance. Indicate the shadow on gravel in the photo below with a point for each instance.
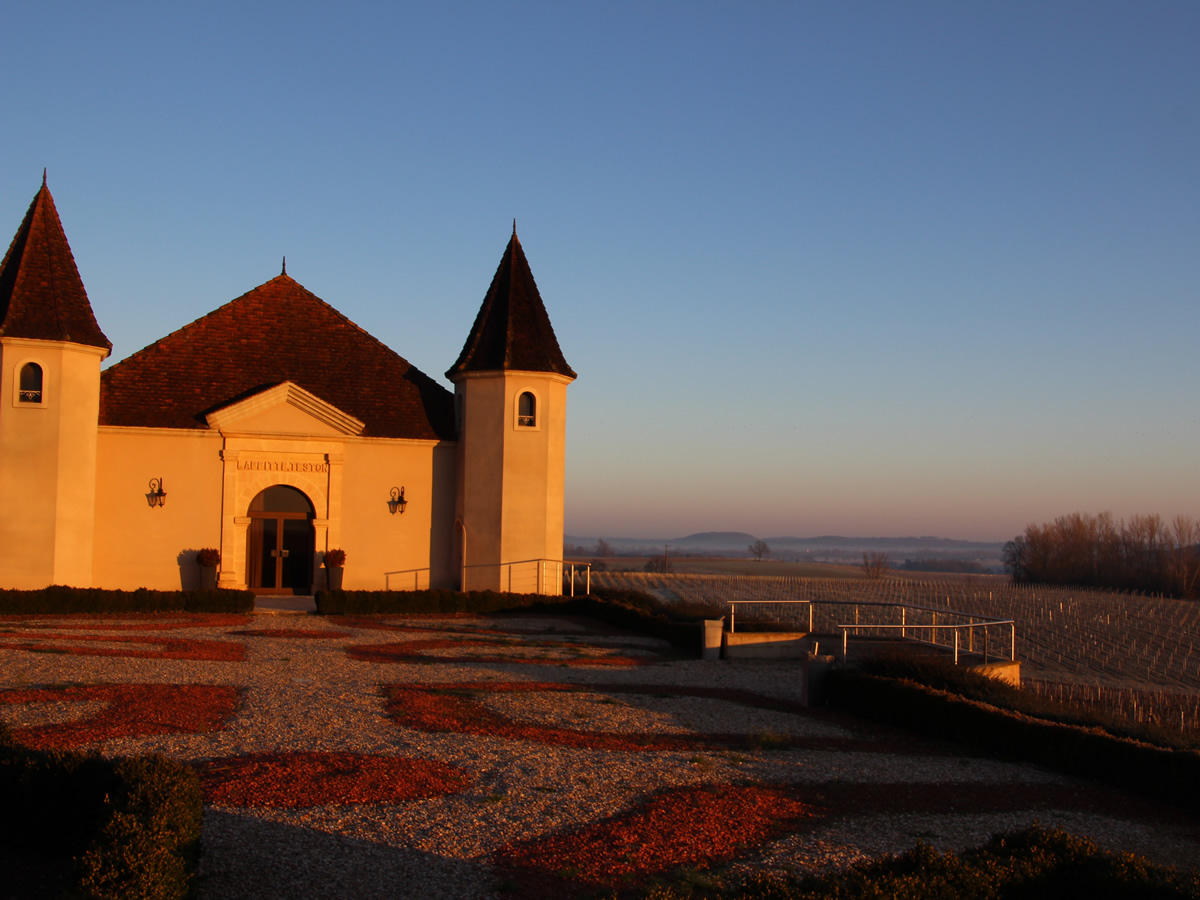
(245, 857)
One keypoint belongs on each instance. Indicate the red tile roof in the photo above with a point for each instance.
(512, 329)
(41, 294)
(277, 332)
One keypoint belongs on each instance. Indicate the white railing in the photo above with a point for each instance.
(733, 605)
(970, 628)
(402, 583)
(526, 576)
(522, 576)
(587, 576)
(958, 631)
(533, 576)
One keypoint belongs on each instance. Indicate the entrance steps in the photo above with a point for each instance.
(284, 604)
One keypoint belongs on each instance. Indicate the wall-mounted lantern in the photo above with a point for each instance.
(157, 496)
(397, 503)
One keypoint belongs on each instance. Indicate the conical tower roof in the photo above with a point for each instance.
(41, 294)
(512, 330)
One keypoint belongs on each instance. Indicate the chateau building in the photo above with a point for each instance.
(273, 429)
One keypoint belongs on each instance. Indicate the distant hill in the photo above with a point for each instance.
(734, 543)
(905, 544)
(719, 538)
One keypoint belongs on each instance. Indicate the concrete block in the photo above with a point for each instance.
(765, 645)
(713, 629)
(1008, 670)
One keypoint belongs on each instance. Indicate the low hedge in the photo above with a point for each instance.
(435, 601)
(1172, 775)
(123, 828)
(632, 610)
(1034, 863)
(963, 681)
(61, 599)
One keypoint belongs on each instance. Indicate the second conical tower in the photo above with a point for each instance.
(510, 392)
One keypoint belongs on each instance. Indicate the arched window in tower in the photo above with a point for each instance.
(31, 383)
(527, 410)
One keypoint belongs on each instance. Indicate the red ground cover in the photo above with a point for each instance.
(693, 826)
(113, 621)
(371, 623)
(132, 710)
(439, 622)
(164, 648)
(292, 633)
(456, 707)
(418, 651)
(325, 779)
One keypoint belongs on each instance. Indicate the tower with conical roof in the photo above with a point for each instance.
(50, 353)
(510, 391)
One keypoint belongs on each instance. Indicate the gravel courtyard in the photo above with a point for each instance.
(514, 756)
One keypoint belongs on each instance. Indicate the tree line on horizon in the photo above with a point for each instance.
(1144, 553)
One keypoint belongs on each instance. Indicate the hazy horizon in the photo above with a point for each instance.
(769, 537)
(822, 268)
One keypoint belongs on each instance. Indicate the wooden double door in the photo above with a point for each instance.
(280, 550)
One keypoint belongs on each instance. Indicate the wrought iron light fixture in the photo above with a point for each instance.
(397, 503)
(157, 496)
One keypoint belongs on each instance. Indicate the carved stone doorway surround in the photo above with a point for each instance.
(247, 471)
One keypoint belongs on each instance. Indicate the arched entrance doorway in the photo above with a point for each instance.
(279, 552)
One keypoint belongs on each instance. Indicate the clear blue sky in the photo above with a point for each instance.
(859, 268)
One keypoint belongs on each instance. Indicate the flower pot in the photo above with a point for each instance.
(333, 578)
(208, 578)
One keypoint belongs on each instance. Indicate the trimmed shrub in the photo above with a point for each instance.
(150, 845)
(59, 599)
(126, 828)
(1172, 775)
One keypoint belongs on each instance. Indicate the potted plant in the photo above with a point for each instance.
(334, 561)
(208, 558)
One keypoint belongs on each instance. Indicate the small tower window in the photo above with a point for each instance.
(527, 410)
(31, 383)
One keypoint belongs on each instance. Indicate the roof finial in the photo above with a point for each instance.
(514, 226)
(44, 184)
(284, 272)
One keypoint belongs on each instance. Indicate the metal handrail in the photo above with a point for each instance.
(543, 578)
(416, 574)
(905, 627)
(733, 609)
(970, 627)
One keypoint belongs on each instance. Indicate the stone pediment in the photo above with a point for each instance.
(284, 409)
